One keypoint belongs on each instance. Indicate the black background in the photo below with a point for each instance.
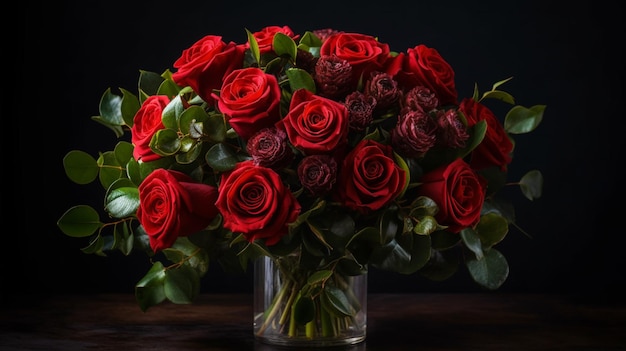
(569, 58)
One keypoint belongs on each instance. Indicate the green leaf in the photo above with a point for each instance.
(129, 107)
(124, 239)
(123, 152)
(149, 83)
(96, 246)
(531, 184)
(303, 310)
(521, 120)
(284, 45)
(336, 301)
(426, 226)
(79, 221)
(165, 142)
(499, 95)
(80, 167)
(254, 47)
(319, 277)
(110, 169)
(492, 229)
(111, 108)
(182, 284)
(477, 134)
(310, 42)
(150, 290)
(171, 113)
(472, 241)
(497, 84)
(122, 199)
(221, 158)
(300, 79)
(490, 271)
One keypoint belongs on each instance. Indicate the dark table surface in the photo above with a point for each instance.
(477, 321)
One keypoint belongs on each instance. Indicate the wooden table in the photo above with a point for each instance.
(490, 321)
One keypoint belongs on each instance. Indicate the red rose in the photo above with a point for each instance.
(459, 192)
(369, 178)
(146, 123)
(250, 100)
(203, 65)
(314, 124)
(363, 52)
(424, 66)
(254, 201)
(496, 147)
(265, 37)
(172, 204)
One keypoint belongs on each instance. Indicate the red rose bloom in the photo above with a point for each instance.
(496, 147)
(458, 190)
(250, 100)
(314, 124)
(369, 178)
(363, 52)
(172, 204)
(254, 201)
(203, 65)
(147, 121)
(265, 37)
(424, 66)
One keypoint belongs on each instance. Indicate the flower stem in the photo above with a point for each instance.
(275, 307)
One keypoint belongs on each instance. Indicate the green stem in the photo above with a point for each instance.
(275, 307)
(327, 327)
(310, 329)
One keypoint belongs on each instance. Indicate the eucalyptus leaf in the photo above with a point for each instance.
(80, 221)
(490, 271)
(80, 167)
(521, 120)
(472, 242)
(531, 184)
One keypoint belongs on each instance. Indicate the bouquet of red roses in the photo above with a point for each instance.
(326, 146)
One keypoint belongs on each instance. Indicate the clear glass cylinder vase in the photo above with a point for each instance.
(307, 308)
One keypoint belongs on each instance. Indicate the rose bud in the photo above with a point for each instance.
(452, 131)
(383, 88)
(269, 148)
(332, 77)
(318, 174)
(414, 134)
(360, 110)
(420, 97)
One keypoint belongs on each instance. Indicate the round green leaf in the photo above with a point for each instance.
(523, 120)
(531, 184)
(80, 167)
(79, 221)
(492, 229)
(491, 271)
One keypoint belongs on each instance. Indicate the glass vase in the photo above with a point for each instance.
(307, 307)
